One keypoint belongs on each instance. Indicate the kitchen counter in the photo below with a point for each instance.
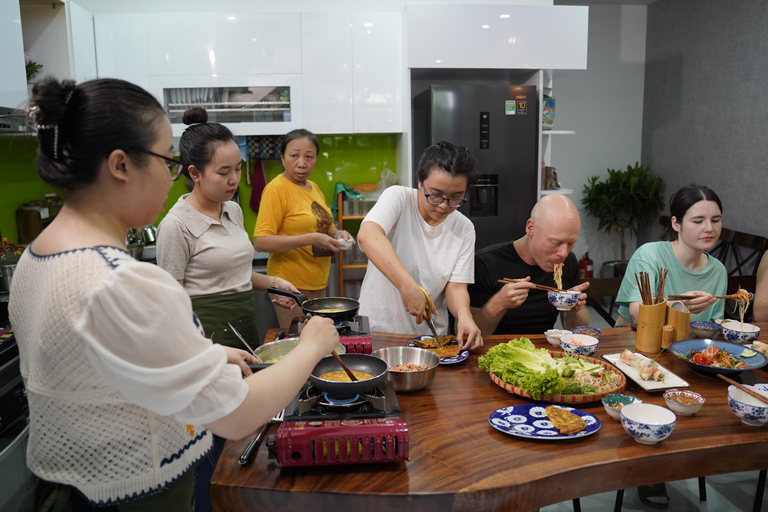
(459, 462)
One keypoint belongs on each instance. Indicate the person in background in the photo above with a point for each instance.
(295, 224)
(203, 244)
(695, 225)
(124, 389)
(760, 304)
(516, 308)
(202, 241)
(416, 237)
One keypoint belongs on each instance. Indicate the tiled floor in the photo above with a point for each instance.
(725, 493)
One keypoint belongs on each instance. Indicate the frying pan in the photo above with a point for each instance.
(360, 362)
(348, 307)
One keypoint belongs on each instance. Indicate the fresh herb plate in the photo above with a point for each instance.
(568, 399)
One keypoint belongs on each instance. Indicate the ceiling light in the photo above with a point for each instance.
(438, 61)
(486, 26)
(367, 24)
(231, 18)
(504, 16)
(512, 40)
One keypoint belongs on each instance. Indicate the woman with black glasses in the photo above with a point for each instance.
(415, 237)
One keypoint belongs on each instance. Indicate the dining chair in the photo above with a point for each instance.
(603, 287)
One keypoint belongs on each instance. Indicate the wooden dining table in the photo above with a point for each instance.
(459, 462)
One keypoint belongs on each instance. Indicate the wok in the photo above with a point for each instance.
(279, 348)
(359, 362)
(348, 307)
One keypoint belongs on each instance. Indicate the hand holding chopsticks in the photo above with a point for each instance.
(506, 280)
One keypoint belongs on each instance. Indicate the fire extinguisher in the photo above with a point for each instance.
(585, 267)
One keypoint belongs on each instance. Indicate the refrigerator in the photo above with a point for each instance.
(499, 124)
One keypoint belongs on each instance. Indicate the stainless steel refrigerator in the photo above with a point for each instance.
(499, 125)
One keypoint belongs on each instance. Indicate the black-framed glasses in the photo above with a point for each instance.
(174, 166)
(436, 199)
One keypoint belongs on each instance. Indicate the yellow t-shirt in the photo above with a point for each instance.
(288, 209)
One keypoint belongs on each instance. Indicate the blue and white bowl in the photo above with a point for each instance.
(563, 301)
(752, 411)
(589, 331)
(648, 423)
(579, 344)
(704, 329)
(735, 332)
(615, 402)
(553, 336)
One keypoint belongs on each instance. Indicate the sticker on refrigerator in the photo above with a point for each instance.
(522, 107)
(510, 107)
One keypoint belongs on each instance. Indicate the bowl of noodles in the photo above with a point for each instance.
(738, 332)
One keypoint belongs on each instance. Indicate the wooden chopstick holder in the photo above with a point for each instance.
(745, 389)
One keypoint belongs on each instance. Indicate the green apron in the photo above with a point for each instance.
(214, 311)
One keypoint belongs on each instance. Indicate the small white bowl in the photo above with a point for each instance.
(553, 336)
(750, 410)
(614, 402)
(734, 332)
(673, 397)
(579, 344)
(648, 423)
(346, 244)
(563, 301)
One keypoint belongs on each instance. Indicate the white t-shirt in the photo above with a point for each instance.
(432, 255)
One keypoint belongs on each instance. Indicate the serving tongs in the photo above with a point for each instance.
(253, 446)
(240, 337)
(428, 317)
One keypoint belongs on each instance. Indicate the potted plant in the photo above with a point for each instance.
(625, 201)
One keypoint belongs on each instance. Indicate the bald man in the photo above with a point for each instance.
(517, 308)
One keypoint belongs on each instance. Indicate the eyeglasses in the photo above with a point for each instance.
(174, 166)
(436, 199)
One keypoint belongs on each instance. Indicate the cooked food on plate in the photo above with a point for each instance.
(759, 346)
(520, 363)
(329, 310)
(450, 347)
(647, 369)
(341, 376)
(713, 356)
(565, 421)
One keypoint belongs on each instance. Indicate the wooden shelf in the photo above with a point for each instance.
(350, 217)
(558, 132)
(355, 265)
(342, 218)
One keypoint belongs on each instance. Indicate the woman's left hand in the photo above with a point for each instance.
(468, 333)
(701, 301)
(344, 235)
(285, 302)
(241, 358)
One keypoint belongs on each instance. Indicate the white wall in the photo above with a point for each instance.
(604, 105)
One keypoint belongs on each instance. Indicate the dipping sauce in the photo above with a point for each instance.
(682, 398)
(341, 376)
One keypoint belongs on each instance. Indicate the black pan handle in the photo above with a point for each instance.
(253, 446)
(300, 298)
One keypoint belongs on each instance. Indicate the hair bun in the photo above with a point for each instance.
(195, 115)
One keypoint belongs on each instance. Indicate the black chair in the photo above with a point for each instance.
(743, 250)
(603, 287)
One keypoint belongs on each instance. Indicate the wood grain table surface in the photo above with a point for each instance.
(459, 462)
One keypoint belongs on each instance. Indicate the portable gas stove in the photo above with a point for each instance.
(354, 335)
(319, 430)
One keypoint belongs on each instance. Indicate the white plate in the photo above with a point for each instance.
(531, 420)
(670, 379)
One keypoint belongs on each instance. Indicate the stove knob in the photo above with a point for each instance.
(272, 446)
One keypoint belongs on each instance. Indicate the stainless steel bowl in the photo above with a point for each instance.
(279, 348)
(135, 250)
(409, 381)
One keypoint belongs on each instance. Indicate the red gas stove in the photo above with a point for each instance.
(319, 430)
(354, 335)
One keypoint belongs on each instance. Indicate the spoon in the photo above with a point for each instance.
(240, 337)
(344, 366)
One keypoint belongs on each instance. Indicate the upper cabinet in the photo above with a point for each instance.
(377, 72)
(123, 47)
(13, 79)
(496, 36)
(224, 44)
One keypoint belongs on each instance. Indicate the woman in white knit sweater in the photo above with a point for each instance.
(118, 374)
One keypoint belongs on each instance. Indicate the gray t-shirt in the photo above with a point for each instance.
(211, 257)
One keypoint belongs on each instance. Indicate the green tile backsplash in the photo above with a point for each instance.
(351, 159)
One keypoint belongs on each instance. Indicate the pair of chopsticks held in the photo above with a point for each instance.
(506, 280)
(689, 297)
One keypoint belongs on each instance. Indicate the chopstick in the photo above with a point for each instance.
(745, 389)
(689, 297)
(506, 280)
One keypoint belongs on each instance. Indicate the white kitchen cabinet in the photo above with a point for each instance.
(496, 36)
(377, 72)
(123, 51)
(245, 96)
(13, 79)
(326, 62)
(219, 44)
(81, 43)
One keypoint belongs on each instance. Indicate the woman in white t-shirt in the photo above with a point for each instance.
(123, 388)
(415, 237)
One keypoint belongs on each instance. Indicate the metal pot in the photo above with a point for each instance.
(6, 275)
(360, 362)
(347, 308)
(279, 348)
(149, 234)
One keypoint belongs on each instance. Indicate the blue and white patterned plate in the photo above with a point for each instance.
(530, 420)
(448, 360)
